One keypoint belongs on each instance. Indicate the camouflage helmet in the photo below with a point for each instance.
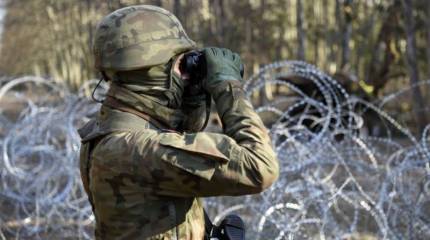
(138, 37)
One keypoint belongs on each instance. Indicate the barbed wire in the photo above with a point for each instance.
(336, 182)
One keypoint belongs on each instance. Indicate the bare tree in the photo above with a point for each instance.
(428, 38)
(384, 56)
(157, 3)
(301, 38)
(411, 52)
(347, 30)
(177, 9)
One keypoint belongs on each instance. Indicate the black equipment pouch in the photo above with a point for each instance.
(230, 228)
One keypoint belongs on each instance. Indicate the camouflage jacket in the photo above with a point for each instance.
(145, 182)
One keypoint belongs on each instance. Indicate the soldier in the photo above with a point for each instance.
(144, 160)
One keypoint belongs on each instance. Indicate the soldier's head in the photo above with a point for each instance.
(139, 47)
(140, 40)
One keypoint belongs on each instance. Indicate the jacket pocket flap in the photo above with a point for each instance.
(198, 155)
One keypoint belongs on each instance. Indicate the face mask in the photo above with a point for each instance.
(154, 83)
(163, 86)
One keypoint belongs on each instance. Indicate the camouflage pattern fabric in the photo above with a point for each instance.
(138, 37)
(143, 178)
(145, 182)
(138, 45)
(172, 118)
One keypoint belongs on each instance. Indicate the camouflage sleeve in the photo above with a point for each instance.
(239, 162)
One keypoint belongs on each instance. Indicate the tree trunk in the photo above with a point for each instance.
(384, 56)
(347, 30)
(157, 3)
(317, 32)
(411, 52)
(428, 39)
(300, 31)
(338, 35)
(221, 21)
(327, 54)
(177, 9)
(263, 35)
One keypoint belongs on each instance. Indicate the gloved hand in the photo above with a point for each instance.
(222, 66)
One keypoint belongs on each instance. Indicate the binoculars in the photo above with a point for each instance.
(194, 64)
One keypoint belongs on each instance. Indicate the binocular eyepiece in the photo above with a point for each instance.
(194, 64)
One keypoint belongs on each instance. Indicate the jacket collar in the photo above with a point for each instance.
(110, 120)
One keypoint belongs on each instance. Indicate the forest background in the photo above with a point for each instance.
(372, 47)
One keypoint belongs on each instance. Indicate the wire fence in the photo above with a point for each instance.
(336, 182)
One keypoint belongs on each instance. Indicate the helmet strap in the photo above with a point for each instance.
(102, 77)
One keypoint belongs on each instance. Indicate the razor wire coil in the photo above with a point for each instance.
(335, 182)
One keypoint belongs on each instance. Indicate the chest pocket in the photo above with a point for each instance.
(199, 154)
